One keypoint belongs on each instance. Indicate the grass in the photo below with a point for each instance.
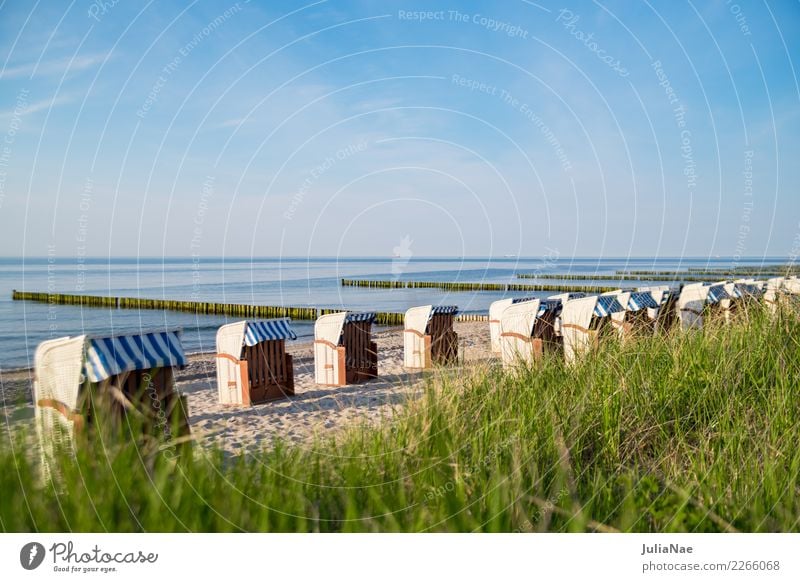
(688, 432)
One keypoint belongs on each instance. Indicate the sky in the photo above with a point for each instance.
(355, 128)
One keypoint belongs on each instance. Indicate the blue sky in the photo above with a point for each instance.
(341, 128)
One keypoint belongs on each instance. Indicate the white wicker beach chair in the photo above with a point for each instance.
(658, 293)
(428, 337)
(516, 330)
(618, 318)
(582, 320)
(71, 371)
(252, 363)
(691, 305)
(344, 352)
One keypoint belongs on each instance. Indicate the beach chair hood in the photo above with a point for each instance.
(230, 339)
(328, 328)
(639, 300)
(659, 294)
(59, 366)
(109, 356)
(416, 318)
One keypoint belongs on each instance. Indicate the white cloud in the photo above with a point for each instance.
(36, 106)
(53, 68)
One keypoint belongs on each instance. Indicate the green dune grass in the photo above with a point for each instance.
(689, 432)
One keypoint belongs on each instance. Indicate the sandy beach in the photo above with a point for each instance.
(314, 411)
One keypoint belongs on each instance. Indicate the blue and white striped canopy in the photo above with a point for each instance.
(667, 295)
(606, 305)
(445, 310)
(272, 329)
(717, 293)
(109, 356)
(641, 300)
(521, 300)
(747, 290)
(549, 305)
(365, 316)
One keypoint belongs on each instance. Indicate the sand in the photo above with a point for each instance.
(314, 411)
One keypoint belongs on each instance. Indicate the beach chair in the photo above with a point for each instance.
(562, 298)
(718, 301)
(428, 337)
(495, 310)
(584, 321)
(85, 383)
(516, 332)
(344, 352)
(617, 319)
(252, 363)
(528, 331)
(666, 317)
(637, 318)
(659, 294)
(772, 289)
(742, 294)
(691, 305)
(700, 303)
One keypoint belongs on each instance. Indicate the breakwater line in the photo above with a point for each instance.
(456, 286)
(671, 277)
(208, 308)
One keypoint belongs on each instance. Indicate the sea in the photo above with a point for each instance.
(294, 282)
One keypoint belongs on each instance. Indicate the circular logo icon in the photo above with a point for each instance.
(31, 555)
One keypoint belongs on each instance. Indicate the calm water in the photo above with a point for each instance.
(290, 282)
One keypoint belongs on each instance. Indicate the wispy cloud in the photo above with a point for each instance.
(236, 122)
(53, 68)
(30, 108)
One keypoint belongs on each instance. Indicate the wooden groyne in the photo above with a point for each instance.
(234, 309)
(620, 277)
(720, 272)
(472, 317)
(202, 307)
(455, 286)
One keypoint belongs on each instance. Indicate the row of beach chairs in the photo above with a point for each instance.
(79, 379)
(523, 329)
(83, 381)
